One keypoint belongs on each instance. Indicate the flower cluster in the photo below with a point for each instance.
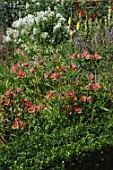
(87, 55)
(94, 87)
(18, 124)
(45, 26)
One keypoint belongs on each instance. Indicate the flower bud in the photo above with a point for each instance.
(70, 21)
(78, 25)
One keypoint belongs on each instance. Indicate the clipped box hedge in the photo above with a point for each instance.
(79, 146)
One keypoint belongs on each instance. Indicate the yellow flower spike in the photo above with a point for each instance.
(57, 67)
(70, 21)
(71, 33)
(78, 25)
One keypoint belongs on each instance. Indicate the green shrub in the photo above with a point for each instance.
(61, 148)
(56, 96)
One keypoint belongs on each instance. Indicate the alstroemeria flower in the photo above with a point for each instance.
(31, 109)
(78, 110)
(5, 102)
(21, 74)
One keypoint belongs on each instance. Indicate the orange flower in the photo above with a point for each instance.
(74, 55)
(33, 70)
(5, 102)
(78, 110)
(62, 69)
(89, 86)
(65, 95)
(91, 77)
(17, 119)
(18, 124)
(31, 109)
(19, 91)
(49, 95)
(25, 64)
(10, 93)
(21, 124)
(88, 56)
(55, 75)
(15, 125)
(41, 107)
(21, 74)
(48, 74)
(95, 86)
(89, 99)
(14, 68)
(98, 56)
(72, 95)
(83, 98)
(72, 67)
(69, 111)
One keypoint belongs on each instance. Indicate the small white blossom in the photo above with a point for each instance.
(7, 39)
(56, 27)
(27, 5)
(34, 31)
(44, 34)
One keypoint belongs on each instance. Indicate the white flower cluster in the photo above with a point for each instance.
(28, 20)
(39, 24)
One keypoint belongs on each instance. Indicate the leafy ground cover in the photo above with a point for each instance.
(56, 91)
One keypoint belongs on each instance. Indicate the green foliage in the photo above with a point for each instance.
(62, 148)
(56, 95)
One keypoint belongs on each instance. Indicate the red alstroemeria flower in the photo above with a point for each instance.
(41, 107)
(5, 63)
(97, 56)
(19, 91)
(21, 74)
(10, 93)
(22, 101)
(89, 99)
(72, 67)
(14, 68)
(22, 124)
(25, 64)
(94, 87)
(5, 102)
(18, 124)
(65, 95)
(33, 70)
(49, 95)
(55, 76)
(31, 109)
(15, 125)
(91, 77)
(83, 98)
(29, 103)
(18, 64)
(62, 69)
(78, 110)
(48, 74)
(74, 55)
(72, 95)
